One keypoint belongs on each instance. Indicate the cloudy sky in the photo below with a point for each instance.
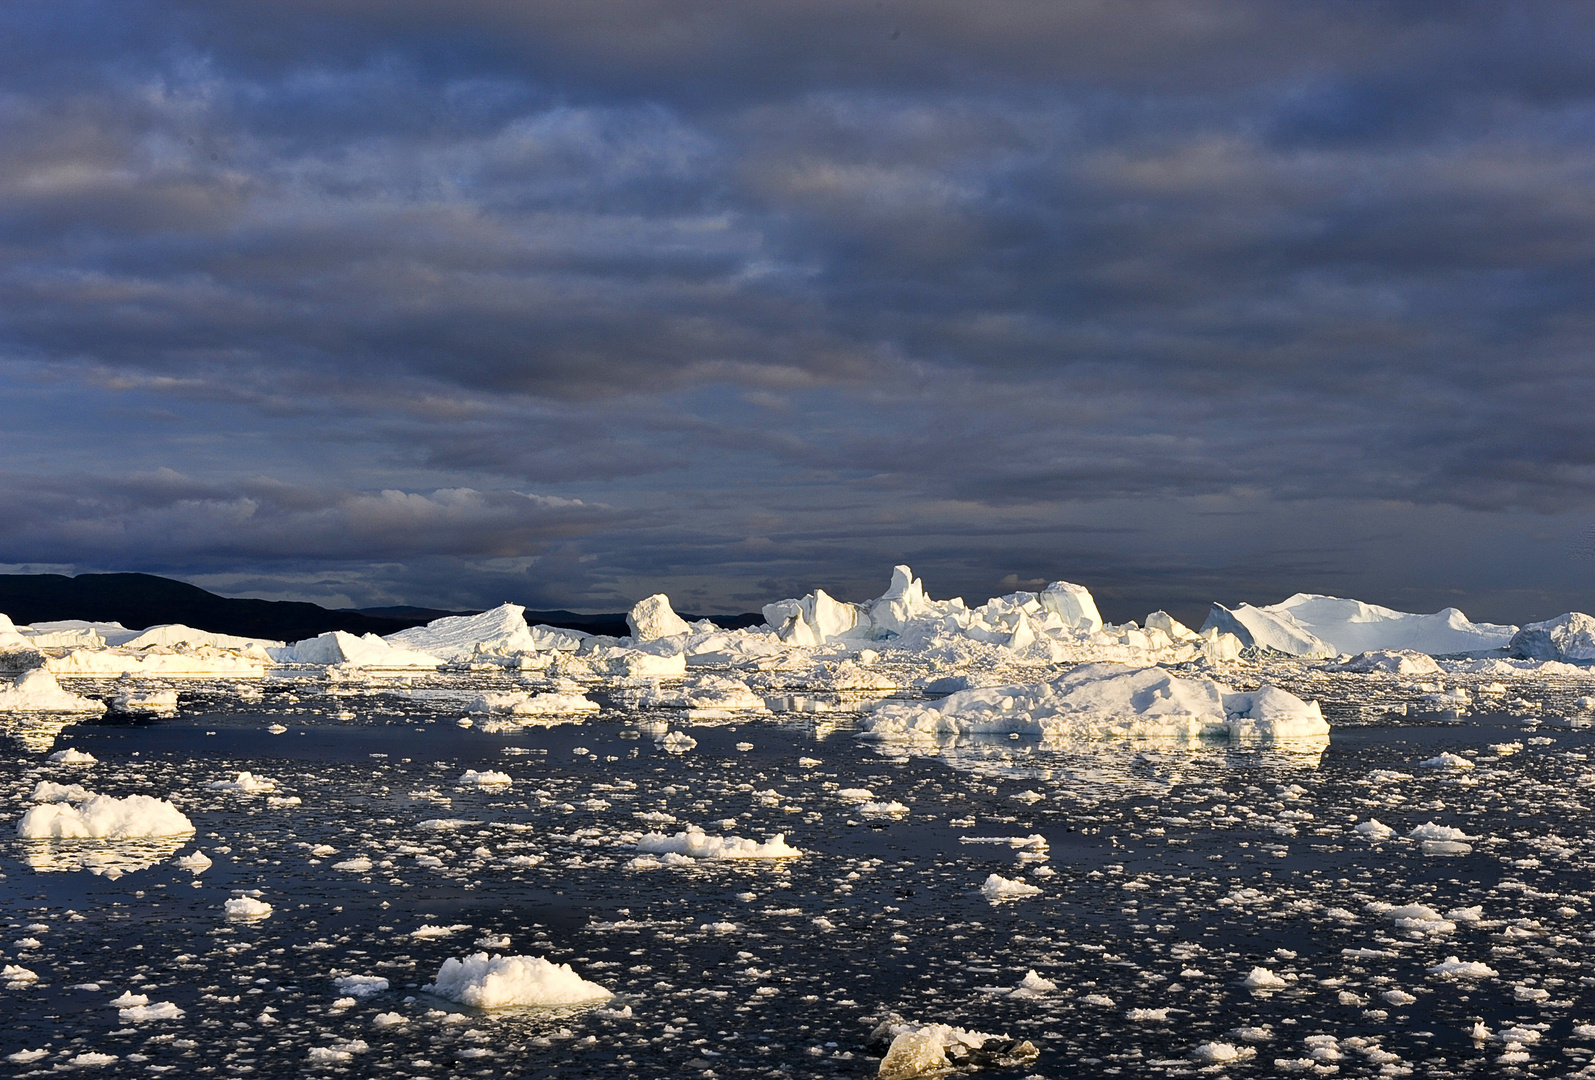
(445, 303)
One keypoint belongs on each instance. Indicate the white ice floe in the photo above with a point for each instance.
(1351, 626)
(1261, 978)
(37, 691)
(694, 843)
(1033, 985)
(1391, 662)
(998, 889)
(143, 1013)
(159, 662)
(1218, 1053)
(175, 634)
(552, 703)
(247, 909)
(496, 982)
(104, 817)
(1453, 968)
(485, 778)
(50, 791)
(245, 783)
(72, 756)
(196, 862)
(1446, 760)
(1566, 637)
(144, 701)
(360, 986)
(1374, 829)
(1097, 701)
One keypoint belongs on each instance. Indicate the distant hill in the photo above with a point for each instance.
(140, 600)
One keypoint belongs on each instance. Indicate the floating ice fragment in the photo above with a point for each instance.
(357, 865)
(388, 1019)
(245, 783)
(1212, 1053)
(1431, 831)
(999, 889)
(1032, 985)
(499, 981)
(694, 842)
(485, 779)
(1446, 760)
(37, 691)
(1374, 829)
(104, 817)
(360, 986)
(161, 1010)
(1453, 968)
(916, 1049)
(247, 908)
(70, 756)
(196, 862)
(1261, 978)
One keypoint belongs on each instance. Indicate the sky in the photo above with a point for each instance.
(447, 303)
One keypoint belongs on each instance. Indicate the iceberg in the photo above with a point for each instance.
(653, 618)
(1566, 637)
(172, 634)
(1270, 630)
(339, 648)
(37, 691)
(104, 817)
(1101, 701)
(501, 631)
(1351, 626)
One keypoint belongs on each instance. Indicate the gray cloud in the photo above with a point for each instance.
(747, 281)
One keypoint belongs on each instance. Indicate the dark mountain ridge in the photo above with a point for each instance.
(141, 600)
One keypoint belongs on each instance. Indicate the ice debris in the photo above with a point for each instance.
(916, 1049)
(998, 889)
(497, 982)
(694, 843)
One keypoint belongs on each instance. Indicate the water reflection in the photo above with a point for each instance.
(34, 732)
(104, 858)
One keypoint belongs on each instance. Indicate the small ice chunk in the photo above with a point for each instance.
(1453, 968)
(1446, 760)
(499, 981)
(360, 986)
(247, 907)
(357, 865)
(1431, 831)
(161, 1010)
(71, 756)
(999, 889)
(195, 863)
(484, 778)
(697, 844)
(1033, 985)
(1374, 829)
(1260, 978)
(388, 1019)
(246, 783)
(1216, 1053)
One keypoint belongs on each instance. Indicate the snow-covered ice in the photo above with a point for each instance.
(496, 982)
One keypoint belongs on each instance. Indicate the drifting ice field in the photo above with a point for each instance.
(1026, 869)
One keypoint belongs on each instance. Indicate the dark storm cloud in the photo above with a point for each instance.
(765, 278)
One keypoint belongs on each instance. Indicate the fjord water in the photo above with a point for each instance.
(1167, 875)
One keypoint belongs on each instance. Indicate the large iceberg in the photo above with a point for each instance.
(1058, 624)
(500, 631)
(173, 634)
(368, 651)
(1566, 637)
(1100, 701)
(1267, 629)
(1351, 626)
